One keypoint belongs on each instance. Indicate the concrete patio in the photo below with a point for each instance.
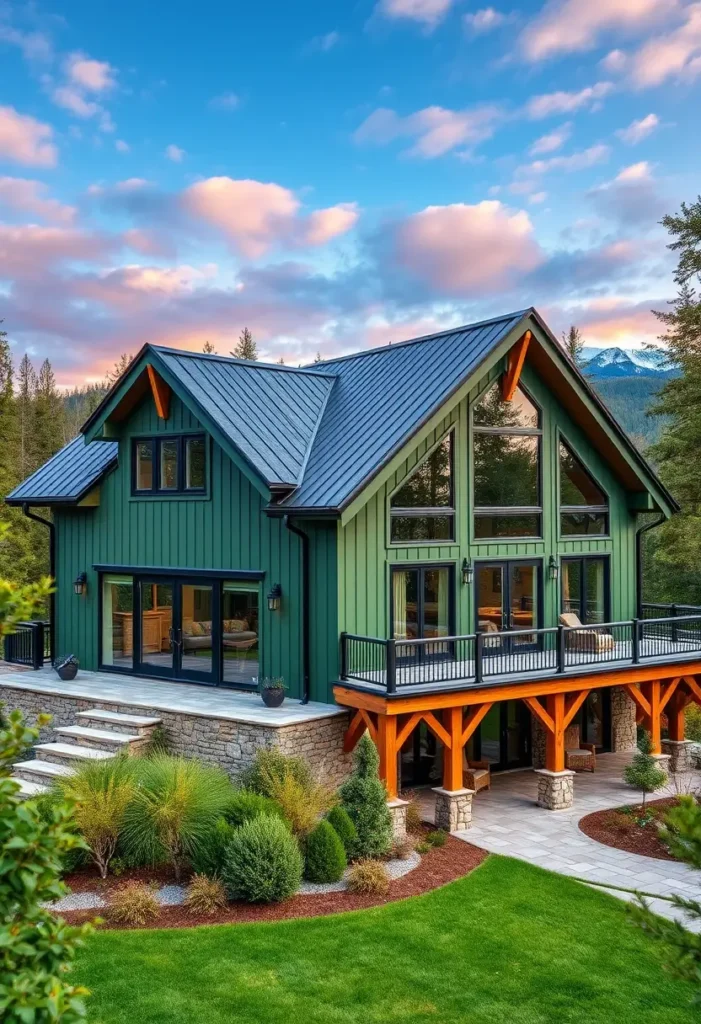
(506, 820)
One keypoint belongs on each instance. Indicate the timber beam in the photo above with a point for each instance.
(515, 360)
(160, 391)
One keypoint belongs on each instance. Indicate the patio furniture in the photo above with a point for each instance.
(581, 639)
(476, 775)
(579, 757)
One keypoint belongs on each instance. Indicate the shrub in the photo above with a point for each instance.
(368, 877)
(205, 895)
(365, 799)
(263, 863)
(423, 847)
(272, 764)
(101, 791)
(403, 849)
(301, 805)
(36, 947)
(643, 771)
(693, 722)
(158, 742)
(344, 828)
(176, 806)
(325, 857)
(414, 816)
(208, 858)
(437, 838)
(134, 903)
(245, 805)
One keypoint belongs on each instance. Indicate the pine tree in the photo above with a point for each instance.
(317, 358)
(26, 394)
(365, 799)
(121, 366)
(208, 348)
(573, 344)
(8, 418)
(643, 772)
(48, 425)
(245, 347)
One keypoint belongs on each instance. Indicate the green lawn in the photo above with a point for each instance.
(508, 944)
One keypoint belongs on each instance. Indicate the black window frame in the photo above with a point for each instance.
(421, 568)
(157, 441)
(597, 557)
(572, 510)
(430, 512)
(483, 511)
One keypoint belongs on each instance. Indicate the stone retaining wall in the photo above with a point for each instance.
(230, 744)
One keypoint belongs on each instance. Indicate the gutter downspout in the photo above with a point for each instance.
(639, 560)
(52, 572)
(306, 635)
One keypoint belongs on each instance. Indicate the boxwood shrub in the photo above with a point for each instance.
(246, 805)
(262, 863)
(325, 858)
(339, 818)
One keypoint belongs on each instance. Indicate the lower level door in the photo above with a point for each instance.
(504, 737)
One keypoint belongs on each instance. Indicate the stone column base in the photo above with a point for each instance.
(680, 759)
(663, 760)
(397, 810)
(555, 789)
(453, 809)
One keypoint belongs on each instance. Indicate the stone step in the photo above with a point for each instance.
(101, 739)
(29, 789)
(41, 771)
(118, 721)
(63, 753)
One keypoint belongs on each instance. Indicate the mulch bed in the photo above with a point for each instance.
(614, 828)
(438, 867)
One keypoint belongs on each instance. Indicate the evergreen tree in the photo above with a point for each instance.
(8, 418)
(120, 367)
(208, 348)
(643, 772)
(365, 799)
(26, 394)
(48, 415)
(317, 358)
(245, 347)
(573, 344)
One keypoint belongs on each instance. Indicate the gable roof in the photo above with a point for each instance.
(68, 476)
(319, 435)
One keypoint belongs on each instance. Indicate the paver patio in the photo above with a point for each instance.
(507, 820)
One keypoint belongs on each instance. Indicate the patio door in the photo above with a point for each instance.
(508, 601)
(177, 633)
(504, 736)
(422, 609)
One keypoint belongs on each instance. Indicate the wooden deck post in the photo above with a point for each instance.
(452, 756)
(555, 740)
(652, 692)
(387, 746)
(675, 717)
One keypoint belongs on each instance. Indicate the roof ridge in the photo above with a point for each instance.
(255, 364)
(424, 337)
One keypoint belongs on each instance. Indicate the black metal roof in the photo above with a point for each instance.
(68, 476)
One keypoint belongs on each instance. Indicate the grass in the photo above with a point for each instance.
(508, 944)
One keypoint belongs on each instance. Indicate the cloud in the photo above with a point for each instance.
(29, 250)
(322, 44)
(465, 250)
(90, 75)
(73, 100)
(615, 321)
(255, 216)
(36, 47)
(225, 101)
(574, 162)
(24, 140)
(633, 197)
(675, 55)
(537, 197)
(484, 20)
(427, 12)
(23, 195)
(175, 153)
(436, 130)
(639, 130)
(572, 26)
(84, 80)
(121, 146)
(567, 102)
(147, 243)
(552, 141)
(614, 62)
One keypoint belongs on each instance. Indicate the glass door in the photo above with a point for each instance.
(178, 633)
(507, 601)
(157, 634)
(422, 610)
(504, 736)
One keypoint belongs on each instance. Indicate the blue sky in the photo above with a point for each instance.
(337, 175)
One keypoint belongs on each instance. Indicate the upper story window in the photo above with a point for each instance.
(506, 457)
(169, 465)
(423, 509)
(583, 505)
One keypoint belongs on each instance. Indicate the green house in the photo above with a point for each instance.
(408, 520)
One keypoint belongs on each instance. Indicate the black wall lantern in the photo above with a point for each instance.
(80, 584)
(553, 568)
(467, 572)
(274, 598)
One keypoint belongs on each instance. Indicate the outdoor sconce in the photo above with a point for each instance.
(274, 598)
(80, 584)
(467, 573)
(553, 568)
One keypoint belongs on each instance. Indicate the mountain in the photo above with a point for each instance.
(599, 363)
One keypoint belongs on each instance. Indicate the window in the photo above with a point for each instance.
(239, 610)
(170, 465)
(583, 505)
(506, 459)
(118, 621)
(422, 609)
(423, 508)
(585, 589)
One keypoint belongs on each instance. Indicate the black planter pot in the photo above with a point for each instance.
(67, 672)
(273, 698)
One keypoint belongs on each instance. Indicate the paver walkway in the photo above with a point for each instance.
(507, 820)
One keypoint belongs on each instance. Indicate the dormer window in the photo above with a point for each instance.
(584, 508)
(169, 465)
(423, 509)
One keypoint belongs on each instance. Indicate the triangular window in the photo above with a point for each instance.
(423, 508)
(583, 505)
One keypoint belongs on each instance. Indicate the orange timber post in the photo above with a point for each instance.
(555, 740)
(387, 747)
(452, 756)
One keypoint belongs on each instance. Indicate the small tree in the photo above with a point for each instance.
(365, 799)
(245, 347)
(643, 772)
(573, 344)
(208, 348)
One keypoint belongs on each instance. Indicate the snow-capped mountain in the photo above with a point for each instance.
(622, 362)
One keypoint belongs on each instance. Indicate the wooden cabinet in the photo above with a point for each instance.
(151, 632)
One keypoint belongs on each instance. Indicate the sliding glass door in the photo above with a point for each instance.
(507, 601)
(422, 609)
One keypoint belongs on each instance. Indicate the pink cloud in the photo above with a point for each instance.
(552, 141)
(73, 100)
(91, 75)
(567, 26)
(574, 162)
(27, 196)
(463, 250)
(566, 102)
(25, 140)
(639, 130)
(175, 153)
(323, 225)
(29, 250)
(484, 20)
(675, 55)
(616, 321)
(436, 130)
(147, 243)
(428, 12)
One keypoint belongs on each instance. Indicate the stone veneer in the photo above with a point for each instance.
(453, 809)
(555, 789)
(225, 742)
(397, 810)
(623, 729)
(680, 754)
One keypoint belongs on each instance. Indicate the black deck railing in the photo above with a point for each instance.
(395, 665)
(29, 645)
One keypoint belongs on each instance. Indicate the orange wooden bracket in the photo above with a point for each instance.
(371, 726)
(160, 391)
(437, 729)
(473, 721)
(694, 688)
(670, 689)
(407, 728)
(516, 359)
(572, 706)
(354, 731)
(539, 711)
(635, 694)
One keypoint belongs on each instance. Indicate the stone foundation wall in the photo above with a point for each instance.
(623, 729)
(232, 745)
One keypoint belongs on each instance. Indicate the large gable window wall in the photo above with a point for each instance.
(584, 509)
(506, 457)
(423, 509)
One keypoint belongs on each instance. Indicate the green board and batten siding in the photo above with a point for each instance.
(226, 529)
(366, 556)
